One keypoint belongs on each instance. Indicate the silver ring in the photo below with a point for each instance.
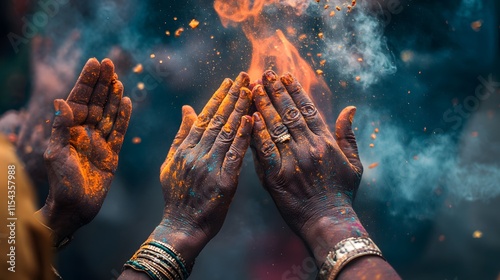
(283, 138)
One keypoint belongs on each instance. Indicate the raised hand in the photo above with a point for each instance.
(82, 155)
(200, 174)
(54, 70)
(311, 174)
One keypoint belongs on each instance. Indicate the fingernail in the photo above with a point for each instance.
(287, 79)
(260, 90)
(243, 93)
(351, 115)
(256, 117)
(243, 79)
(270, 76)
(247, 118)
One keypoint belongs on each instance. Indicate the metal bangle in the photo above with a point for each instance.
(164, 255)
(344, 252)
(169, 271)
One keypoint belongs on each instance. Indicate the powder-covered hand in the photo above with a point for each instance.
(82, 155)
(200, 174)
(313, 173)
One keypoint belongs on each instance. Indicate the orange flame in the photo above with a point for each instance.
(270, 47)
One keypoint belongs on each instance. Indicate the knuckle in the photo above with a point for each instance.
(279, 129)
(217, 122)
(264, 103)
(278, 87)
(291, 115)
(233, 154)
(309, 110)
(202, 120)
(267, 148)
(227, 134)
(294, 88)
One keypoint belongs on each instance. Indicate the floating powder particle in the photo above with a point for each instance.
(136, 140)
(373, 165)
(178, 32)
(476, 25)
(140, 86)
(138, 69)
(477, 234)
(194, 23)
(319, 72)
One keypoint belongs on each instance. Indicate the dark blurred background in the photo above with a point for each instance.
(428, 100)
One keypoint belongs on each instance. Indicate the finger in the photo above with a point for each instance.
(265, 150)
(188, 119)
(345, 137)
(111, 108)
(228, 132)
(305, 105)
(234, 157)
(115, 139)
(284, 105)
(225, 109)
(270, 115)
(63, 120)
(207, 113)
(82, 91)
(100, 93)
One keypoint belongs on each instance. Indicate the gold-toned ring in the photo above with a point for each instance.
(283, 138)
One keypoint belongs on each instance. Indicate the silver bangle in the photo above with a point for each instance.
(344, 252)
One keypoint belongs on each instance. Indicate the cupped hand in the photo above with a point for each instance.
(312, 172)
(82, 155)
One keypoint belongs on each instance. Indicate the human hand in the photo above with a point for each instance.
(82, 155)
(200, 174)
(54, 69)
(313, 176)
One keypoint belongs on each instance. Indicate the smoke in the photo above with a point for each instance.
(354, 42)
(356, 46)
(417, 173)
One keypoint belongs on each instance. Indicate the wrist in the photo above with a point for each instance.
(335, 225)
(189, 242)
(59, 226)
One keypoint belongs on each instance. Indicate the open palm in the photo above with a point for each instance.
(82, 155)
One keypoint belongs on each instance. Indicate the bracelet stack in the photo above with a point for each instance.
(160, 261)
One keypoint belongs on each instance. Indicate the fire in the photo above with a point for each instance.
(270, 47)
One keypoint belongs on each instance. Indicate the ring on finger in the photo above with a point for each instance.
(283, 138)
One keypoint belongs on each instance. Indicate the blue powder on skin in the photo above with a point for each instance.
(58, 113)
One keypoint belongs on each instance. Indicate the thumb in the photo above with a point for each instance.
(63, 120)
(345, 137)
(188, 118)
